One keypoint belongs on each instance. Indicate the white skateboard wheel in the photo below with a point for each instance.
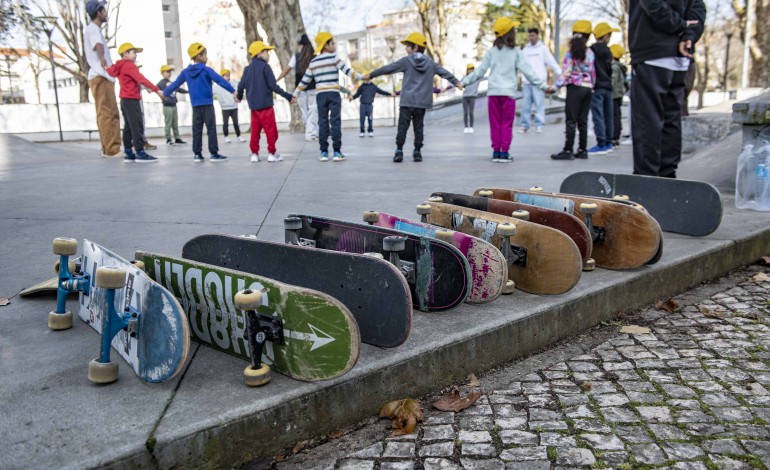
(59, 321)
(371, 217)
(248, 299)
(486, 193)
(101, 372)
(588, 208)
(520, 214)
(506, 229)
(65, 246)
(423, 209)
(257, 377)
(110, 278)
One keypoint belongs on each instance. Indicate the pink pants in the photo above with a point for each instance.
(502, 109)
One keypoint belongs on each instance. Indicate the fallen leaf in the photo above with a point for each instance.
(760, 277)
(635, 330)
(4, 301)
(337, 434)
(473, 381)
(669, 305)
(453, 402)
(586, 386)
(711, 313)
(405, 415)
(298, 447)
(280, 458)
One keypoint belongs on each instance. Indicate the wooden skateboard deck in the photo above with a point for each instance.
(628, 237)
(549, 261)
(373, 290)
(438, 275)
(51, 286)
(159, 349)
(321, 336)
(680, 206)
(489, 271)
(567, 223)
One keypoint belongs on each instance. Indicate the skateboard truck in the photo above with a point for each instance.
(512, 253)
(69, 281)
(589, 209)
(259, 329)
(393, 245)
(292, 226)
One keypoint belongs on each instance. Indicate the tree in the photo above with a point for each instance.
(615, 10)
(9, 17)
(282, 22)
(759, 45)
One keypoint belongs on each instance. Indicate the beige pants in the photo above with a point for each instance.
(107, 115)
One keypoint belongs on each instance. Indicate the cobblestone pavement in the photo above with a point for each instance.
(690, 394)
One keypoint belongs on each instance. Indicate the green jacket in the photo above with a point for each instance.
(619, 85)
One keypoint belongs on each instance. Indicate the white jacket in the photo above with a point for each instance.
(539, 57)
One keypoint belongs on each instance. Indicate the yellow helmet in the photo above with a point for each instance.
(503, 25)
(195, 49)
(603, 29)
(417, 39)
(582, 26)
(470, 66)
(617, 51)
(321, 39)
(166, 68)
(224, 72)
(258, 46)
(127, 46)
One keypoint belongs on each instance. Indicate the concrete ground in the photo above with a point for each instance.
(54, 416)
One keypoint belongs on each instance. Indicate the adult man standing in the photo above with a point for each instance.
(662, 34)
(102, 85)
(539, 57)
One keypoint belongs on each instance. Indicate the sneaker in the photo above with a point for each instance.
(254, 158)
(615, 144)
(179, 141)
(362, 134)
(539, 130)
(505, 157)
(241, 139)
(198, 158)
(523, 130)
(274, 157)
(309, 138)
(149, 146)
(465, 130)
(628, 141)
(129, 156)
(215, 157)
(169, 142)
(227, 140)
(597, 150)
(339, 157)
(324, 157)
(371, 133)
(495, 156)
(417, 155)
(399, 156)
(144, 157)
(582, 154)
(470, 130)
(608, 148)
(564, 155)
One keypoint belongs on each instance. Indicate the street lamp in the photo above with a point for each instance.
(50, 21)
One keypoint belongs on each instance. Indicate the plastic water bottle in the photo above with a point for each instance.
(752, 181)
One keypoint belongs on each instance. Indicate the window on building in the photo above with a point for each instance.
(465, 56)
(353, 49)
(166, 7)
(168, 34)
(465, 35)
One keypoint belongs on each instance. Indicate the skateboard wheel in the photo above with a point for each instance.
(248, 299)
(509, 286)
(110, 278)
(65, 246)
(423, 209)
(59, 321)
(374, 254)
(445, 235)
(620, 197)
(257, 377)
(520, 214)
(589, 265)
(435, 199)
(102, 372)
(371, 217)
(486, 193)
(138, 264)
(394, 243)
(588, 208)
(292, 223)
(70, 264)
(506, 229)
(536, 189)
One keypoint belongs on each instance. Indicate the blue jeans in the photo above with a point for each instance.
(329, 106)
(532, 94)
(601, 111)
(366, 110)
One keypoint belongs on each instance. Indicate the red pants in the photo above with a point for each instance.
(263, 119)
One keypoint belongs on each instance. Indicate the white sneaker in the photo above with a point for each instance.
(324, 157)
(274, 157)
(371, 133)
(241, 139)
(627, 142)
(470, 130)
(361, 134)
(254, 158)
(465, 130)
(539, 130)
(309, 138)
(523, 130)
(227, 140)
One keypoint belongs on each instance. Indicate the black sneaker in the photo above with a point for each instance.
(144, 157)
(582, 154)
(399, 156)
(417, 155)
(179, 141)
(169, 142)
(505, 157)
(198, 158)
(215, 157)
(564, 155)
(128, 155)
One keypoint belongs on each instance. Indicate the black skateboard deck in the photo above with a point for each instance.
(373, 290)
(438, 275)
(680, 206)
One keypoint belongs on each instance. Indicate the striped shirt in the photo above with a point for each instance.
(324, 69)
(577, 73)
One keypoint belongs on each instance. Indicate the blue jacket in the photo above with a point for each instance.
(199, 78)
(367, 91)
(259, 82)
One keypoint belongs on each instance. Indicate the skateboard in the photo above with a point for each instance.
(135, 315)
(438, 275)
(625, 236)
(304, 334)
(51, 286)
(489, 271)
(373, 290)
(679, 206)
(567, 223)
(541, 260)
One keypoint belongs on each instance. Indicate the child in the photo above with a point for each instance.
(229, 106)
(579, 75)
(503, 60)
(130, 78)
(601, 101)
(367, 91)
(199, 78)
(170, 114)
(619, 88)
(323, 69)
(416, 90)
(470, 93)
(259, 83)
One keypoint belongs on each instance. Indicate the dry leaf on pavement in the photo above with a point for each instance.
(711, 313)
(669, 305)
(473, 381)
(4, 301)
(760, 277)
(635, 330)
(298, 447)
(405, 415)
(453, 402)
